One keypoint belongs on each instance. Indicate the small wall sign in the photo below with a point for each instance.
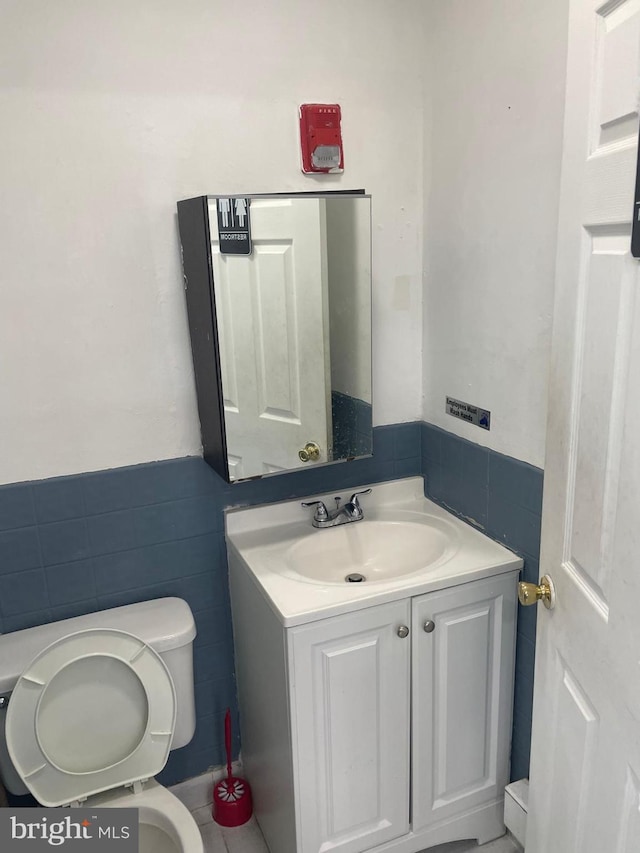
(467, 412)
(234, 226)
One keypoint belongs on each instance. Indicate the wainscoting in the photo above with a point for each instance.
(73, 545)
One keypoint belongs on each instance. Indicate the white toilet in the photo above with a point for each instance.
(90, 708)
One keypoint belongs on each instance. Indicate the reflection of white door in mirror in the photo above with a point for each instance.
(280, 333)
(274, 352)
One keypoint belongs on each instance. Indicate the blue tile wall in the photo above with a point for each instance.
(351, 419)
(73, 545)
(502, 497)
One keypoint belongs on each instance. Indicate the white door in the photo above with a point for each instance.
(585, 768)
(350, 691)
(273, 324)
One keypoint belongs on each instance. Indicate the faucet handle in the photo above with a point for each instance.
(321, 513)
(354, 504)
(354, 496)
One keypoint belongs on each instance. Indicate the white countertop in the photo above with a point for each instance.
(263, 536)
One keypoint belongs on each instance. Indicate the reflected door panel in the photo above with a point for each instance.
(273, 311)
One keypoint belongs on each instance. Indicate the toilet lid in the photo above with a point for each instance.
(95, 710)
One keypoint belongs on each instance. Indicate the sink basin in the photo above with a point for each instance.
(372, 549)
(405, 545)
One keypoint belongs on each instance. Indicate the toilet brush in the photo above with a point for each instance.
(231, 796)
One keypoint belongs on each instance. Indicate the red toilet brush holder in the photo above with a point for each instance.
(232, 805)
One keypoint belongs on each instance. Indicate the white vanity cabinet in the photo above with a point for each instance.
(350, 689)
(384, 728)
(462, 698)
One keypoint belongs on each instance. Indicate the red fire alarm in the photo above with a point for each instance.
(321, 138)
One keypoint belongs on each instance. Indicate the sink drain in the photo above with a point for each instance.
(355, 577)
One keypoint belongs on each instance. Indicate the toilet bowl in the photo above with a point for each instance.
(165, 824)
(91, 717)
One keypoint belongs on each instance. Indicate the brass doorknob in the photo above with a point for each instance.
(310, 452)
(530, 593)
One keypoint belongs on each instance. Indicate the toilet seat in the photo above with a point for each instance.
(93, 711)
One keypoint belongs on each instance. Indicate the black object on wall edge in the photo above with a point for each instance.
(635, 219)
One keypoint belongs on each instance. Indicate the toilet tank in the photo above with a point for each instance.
(165, 624)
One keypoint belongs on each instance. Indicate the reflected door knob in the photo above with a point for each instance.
(530, 593)
(310, 452)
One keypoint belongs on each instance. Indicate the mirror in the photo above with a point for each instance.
(279, 302)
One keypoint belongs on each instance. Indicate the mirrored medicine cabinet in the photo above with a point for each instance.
(278, 292)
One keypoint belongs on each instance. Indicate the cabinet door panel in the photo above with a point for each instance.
(350, 714)
(462, 697)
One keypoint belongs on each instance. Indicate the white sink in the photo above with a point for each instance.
(404, 545)
(374, 549)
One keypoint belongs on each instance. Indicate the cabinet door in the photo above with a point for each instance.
(349, 681)
(462, 697)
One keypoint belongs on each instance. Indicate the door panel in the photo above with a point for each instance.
(629, 837)
(586, 723)
(350, 713)
(599, 393)
(573, 757)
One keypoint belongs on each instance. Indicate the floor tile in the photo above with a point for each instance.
(196, 792)
(506, 844)
(248, 839)
(202, 815)
(212, 838)
(244, 839)
(224, 839)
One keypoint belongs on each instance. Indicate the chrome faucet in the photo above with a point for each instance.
(345, 514)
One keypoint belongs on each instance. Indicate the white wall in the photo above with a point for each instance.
(498, 70)
(113, 111)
